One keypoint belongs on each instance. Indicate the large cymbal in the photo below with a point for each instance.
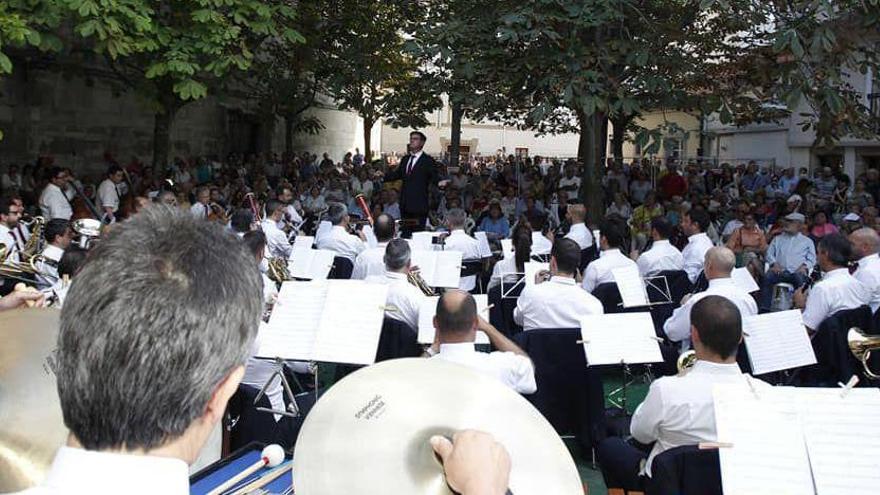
(31, 425)
(369, 433)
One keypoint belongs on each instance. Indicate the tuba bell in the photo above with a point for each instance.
(87, 230)
(686, 361)
(861, 346)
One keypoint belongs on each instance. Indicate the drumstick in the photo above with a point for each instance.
(265, 480)
(271, 456)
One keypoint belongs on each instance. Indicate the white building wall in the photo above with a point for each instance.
(343, 133)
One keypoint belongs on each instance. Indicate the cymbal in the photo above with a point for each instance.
(369, 433)
(31, 425)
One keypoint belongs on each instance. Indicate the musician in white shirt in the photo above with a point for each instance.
(719, 263)
(662, 256)
(694, 224)
(512, 267)
(201, 208)
(611, 237)
(678, 410)
(338, 239)
(559, 302)
(838, 290)
(54, 203)
(458, 240)
(58, 235)
(371, 261)
(284, 194)
(10, 213)
(579, 232)
(866, 245)
(456, 324)
(277, 242)
(404, 299)
(108, 192)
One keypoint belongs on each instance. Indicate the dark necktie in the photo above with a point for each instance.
(410, 164)
(206, 211)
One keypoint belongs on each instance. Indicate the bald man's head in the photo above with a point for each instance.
(384, 227)
(865, 242)
(456, 314)
(578, 213)
(719, 262)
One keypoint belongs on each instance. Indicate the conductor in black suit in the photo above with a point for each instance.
(419, 172)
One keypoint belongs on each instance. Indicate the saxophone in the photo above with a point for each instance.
(34, 244)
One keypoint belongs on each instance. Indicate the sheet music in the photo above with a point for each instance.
(540, 244)
(507, 248)
(370, 235)
(293, 326)
(428, 310)
(422, 241)
(426, 261)
(324, 228)
(743, 279)
(447, 270)
(311, 264)
(532, 268)
(303, 242)
(768, 456)
(483, 240)
(620, 337)
(777, 341)
(351, 322)
(632, 288)
(843, 439)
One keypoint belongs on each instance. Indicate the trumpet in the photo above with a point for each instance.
(861, 346)
(414, 278)
(686, 361)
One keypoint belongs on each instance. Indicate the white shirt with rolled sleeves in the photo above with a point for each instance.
(108, 195)
(661, 257)
(678, 326)
(868, 273)
(11, 242)
(837, 291)
(342, 243)
(694, 254)
(469, 248)
(403, 300)
(557, 303)
(791, 251)
(54, 203)
(580, 234)
(599, 271)
(513, 370)
(276, 240)
(679, 410)
(370, 262)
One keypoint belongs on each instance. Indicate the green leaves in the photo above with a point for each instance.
(190, 89)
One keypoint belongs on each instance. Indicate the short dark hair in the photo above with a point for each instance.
(336, 212)
(384, 227)
(71, 261)
(420, 134)
(397, 255)
(663, 227)
(55, 228)
(272, 206)
(567, 254)
(719, 325)
(837, 248)
(113, 169)
(54, 172)
(185, 335)
(613, 231)
(280, 189)
(5, 203)
(241, 220)
(699, 217)
(255, 241)
(459, 319)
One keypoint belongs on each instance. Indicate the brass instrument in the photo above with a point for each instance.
(86, 230)
(34, 244)
(278, 270)
(686, 361)
(28, 256)
(861, 346)
(414, 278)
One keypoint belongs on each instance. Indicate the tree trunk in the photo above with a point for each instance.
(618, 136)
(162, 122)
(592, 195)
(455, 136)
(266, 134)
(288, 135)
(368, 131)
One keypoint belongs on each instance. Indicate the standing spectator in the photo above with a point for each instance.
(570, 184)
(672, 184)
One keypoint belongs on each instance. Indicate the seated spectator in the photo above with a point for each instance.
(821, 227)
(495, 225)
(747, 239)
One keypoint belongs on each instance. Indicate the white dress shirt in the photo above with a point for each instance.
(599, 271)
(342, 243)
(580, 234)
(507, 268)
(557, 303)
(679, 410)
(678, 326)
(868, 273)
(47, 268)
(661, 257)
(574, 181)
(277, 242)
(469, 248)
(694, 254)
(108, 195)
(54, 203)
(293, 215)
(77, 471)
(513, 370)
(11, 242)
(540, 244)
(404, 299)
(370, 262)
(838, 290)
(199, 210)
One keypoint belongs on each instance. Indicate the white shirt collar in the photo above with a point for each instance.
(458, 348)
(610, 252)
(726, 281)
(54, 253)
(556, 279)
(661, 242)
(716, 368)
(836, 273)
(697, 237)
(395, 275)
(868, 259)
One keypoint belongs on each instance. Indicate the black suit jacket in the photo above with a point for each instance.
(416, 186)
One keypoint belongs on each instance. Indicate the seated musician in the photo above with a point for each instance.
(10, 244)
(718, 264)
(663, 255)
(866, 245)
(678, 410)
(512, 267)
(338, 239)
(276, 240)
(611, 238)
(838, 290)
(459, 240)
(255, 241)
(284, 193)
(404, 299)
(558, 302)
(456, 324)
(371, 261)
(201, 208)
(241, 221)
(694, 224)
(58, 235)
(579, 232)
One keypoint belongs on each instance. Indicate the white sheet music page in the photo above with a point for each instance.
(843, 439)
(539, 240)
(303, 242)
(324, 228)
(426, 261)
(507, 247)
(777, 341)
(532, 268)
(422, 241)
(293, 326)
(768, 456)
(483, 240)
(428, 310)
(351, 323)
(620, 337)
(631, 286)
(321, 264)
(370, 235)
(447, 272)
(300, 263)
(743, 279)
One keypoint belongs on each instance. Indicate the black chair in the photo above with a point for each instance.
(342, 268)
(570, 394)
(834, 361)
(475, 268)
(398, 340)
(250, 425)
(609, 296)
(701, 284)
(685, 470)
(588, 255)
(679, 284)
(501, 311)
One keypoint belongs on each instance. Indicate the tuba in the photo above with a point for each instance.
(861, 346)
(686, 361)
(278, 270)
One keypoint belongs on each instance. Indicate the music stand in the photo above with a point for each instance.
(667, 294)
(292, 409)
(505, 294)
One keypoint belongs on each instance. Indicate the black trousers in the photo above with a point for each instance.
(620, 463)
(412, 222)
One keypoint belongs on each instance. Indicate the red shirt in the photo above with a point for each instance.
(672, 185)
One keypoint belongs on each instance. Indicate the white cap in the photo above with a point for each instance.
(795, 197)
(795, 217)
(852, 217)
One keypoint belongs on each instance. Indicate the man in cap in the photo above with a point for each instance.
(791, 256)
